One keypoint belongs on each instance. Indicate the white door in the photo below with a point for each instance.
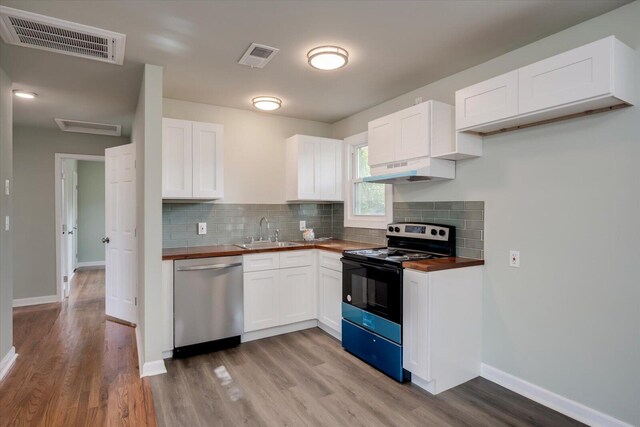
(412, 125)
(208, 173)
(261, 300)
(381, 140)
(64, 242)
(331, 169)
(330, 298)
(120, 238)
(297, 295)
(177, 159)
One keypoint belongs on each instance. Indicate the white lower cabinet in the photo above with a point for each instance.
(330, 293)
(280, 296)
(261, 300)
(442, 327)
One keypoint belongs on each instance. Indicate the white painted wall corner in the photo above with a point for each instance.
(565, 406)
(7, 362)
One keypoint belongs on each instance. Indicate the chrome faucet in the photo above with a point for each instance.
(277, 235)
(267, 221)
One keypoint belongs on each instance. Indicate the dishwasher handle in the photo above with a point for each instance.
(209, 267)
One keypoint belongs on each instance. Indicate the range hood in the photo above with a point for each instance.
(420, 170)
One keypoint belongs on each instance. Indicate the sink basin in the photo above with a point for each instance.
(268, 245)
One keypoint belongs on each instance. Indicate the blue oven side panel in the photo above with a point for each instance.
(372, 322)
(377, 351)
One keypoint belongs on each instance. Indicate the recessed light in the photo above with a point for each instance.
(328, 57)
(24, 94)
(267, 103)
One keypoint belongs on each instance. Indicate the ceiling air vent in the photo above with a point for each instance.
(43, 32)
(89, 127)
(258, 55)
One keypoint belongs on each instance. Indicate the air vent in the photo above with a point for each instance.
(43, 32)
(89, 127)
(258, 55)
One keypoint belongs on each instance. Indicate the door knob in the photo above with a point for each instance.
(105, 240)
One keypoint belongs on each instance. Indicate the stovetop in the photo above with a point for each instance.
(389, 255)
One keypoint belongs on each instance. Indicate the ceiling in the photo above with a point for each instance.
(394, 46)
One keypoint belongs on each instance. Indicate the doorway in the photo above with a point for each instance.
(80, 216)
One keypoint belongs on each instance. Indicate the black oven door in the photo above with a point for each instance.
(373, 288)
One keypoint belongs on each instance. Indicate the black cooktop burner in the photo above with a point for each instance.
(389, 255)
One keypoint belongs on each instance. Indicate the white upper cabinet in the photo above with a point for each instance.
(595, 76)
(313, 169)
(177, 158)
(208, 165)
(409, 134)
(488, 101)
(192, 160)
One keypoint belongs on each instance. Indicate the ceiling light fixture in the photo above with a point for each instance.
(328, 57)
(267, 103)
(24, 94)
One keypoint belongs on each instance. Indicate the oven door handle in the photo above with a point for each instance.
(370, 265)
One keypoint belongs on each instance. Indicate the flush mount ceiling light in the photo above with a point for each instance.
(328, 57)
(266, 103)
(24, 94)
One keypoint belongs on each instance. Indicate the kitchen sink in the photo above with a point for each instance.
(268, 245)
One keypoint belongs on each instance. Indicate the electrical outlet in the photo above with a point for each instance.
(303, 225)
(202, 228)
(514, 259)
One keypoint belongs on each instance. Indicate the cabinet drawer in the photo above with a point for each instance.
(373, 349)
(259, 262)
(488, 101)
(330, 260)
(296, 258)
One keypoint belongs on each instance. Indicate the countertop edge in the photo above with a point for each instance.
(440, 264)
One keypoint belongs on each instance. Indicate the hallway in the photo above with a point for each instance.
(74, 368)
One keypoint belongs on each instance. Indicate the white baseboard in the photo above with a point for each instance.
(91, 264)
(153, 368)
(278, 330)
(337, 335)
(565, 406)
(22, 302)
(167, 354)
(7, 362)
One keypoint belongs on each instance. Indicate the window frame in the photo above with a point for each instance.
(352, 143)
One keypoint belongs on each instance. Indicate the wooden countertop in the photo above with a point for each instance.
(438, 264)
(230, 250)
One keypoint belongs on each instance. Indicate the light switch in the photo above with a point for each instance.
(202, 228)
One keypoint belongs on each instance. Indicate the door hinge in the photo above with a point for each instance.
(135, 301)
(135, 232)
(65, 279)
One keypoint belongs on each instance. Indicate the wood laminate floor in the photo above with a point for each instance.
(73, 367)
(306, 379)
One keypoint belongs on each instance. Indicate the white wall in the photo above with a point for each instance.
(253, 141)
(147, 135)
(6, 209)
(567, 196)
(34, 202)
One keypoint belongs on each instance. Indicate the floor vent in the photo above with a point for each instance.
(258, 55)
(89, 127)
(43, 32)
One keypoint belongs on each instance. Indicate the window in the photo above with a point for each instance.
(367, 204)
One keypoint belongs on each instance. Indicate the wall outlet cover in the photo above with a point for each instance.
(514, 258)
(303, 225)
(202, 228)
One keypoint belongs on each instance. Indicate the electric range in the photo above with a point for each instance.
(372, 291)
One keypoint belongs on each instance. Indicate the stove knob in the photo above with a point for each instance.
(434, 232)
(442, 232)
(397, 229)
(391, 229)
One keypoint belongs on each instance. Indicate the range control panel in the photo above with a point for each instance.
(419, 231)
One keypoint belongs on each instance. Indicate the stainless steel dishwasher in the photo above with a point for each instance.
(207, 304)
